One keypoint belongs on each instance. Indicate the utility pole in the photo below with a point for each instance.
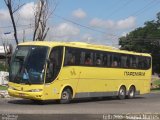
(24, 36)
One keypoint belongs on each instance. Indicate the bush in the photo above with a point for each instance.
(3, 67)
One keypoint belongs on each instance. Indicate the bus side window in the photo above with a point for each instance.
(148, 62)
(98, 59)
(128, 62)
(88, 60)
(124, 61)
(142, 63)
(116, 60)
(72, 56)
(107, 60)
(134, 61)
(69, 58)
(86, 57)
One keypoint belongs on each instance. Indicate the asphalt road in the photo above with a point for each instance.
(147, 104)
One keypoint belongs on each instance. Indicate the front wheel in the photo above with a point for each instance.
(122, 93)
(66, 96)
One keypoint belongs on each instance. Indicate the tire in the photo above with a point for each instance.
(66, 96)
(131, 92)
(122, 93)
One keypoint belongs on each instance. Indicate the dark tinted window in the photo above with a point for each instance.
(98, 58)
(107, 59)
(72, 56)
(86, 57)
(124, 63)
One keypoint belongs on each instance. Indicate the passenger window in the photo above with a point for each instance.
(142, 63)
(69, 58)
(72, 56)
(82, 57)
(98, 59)
(88, 58)
(124, 61)
(148, 62)
(134, 62)
(129, 62)
(107, 58)
(115, 60)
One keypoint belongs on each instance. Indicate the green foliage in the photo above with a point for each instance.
(156, 82)
(145, 39)
(2, 67)
(3, 87)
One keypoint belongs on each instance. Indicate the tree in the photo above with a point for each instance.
(8, 48)
(145, 39)
(12, 9)
(42, 15)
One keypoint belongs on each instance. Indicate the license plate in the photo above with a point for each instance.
(21, 94)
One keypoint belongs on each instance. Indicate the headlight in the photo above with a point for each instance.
(35, 90)
(10, 87)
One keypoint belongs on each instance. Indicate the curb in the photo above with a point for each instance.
(155, 91)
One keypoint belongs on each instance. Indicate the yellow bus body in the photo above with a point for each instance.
(85, 81)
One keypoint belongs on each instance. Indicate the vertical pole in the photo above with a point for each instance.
(23, 35)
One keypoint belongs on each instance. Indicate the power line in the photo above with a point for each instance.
(21, 29)
(101, 31)
(140, 11)
(84, 26)
(65, 19)
(16, 26)
(120, 8)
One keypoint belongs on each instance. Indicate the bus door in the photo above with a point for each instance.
(53, 68)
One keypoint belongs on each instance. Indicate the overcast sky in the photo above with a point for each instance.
(93, 21)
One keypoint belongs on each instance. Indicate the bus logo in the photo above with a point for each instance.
(134, 73)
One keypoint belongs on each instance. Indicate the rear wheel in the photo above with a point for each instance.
(131, 92)
(66, 96)
(122, 93)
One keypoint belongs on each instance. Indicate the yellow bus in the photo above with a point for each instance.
(66, 70)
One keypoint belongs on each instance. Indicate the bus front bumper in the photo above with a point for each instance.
(26, 95)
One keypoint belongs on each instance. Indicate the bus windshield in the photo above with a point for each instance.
(28, 64)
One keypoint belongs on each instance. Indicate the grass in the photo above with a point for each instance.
(155, 89)
(156, 82)
(3, 87)
(156, 85)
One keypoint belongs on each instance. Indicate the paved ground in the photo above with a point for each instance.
(142, 104)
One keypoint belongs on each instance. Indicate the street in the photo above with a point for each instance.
(149, 103)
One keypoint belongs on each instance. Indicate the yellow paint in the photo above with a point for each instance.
(83, 79)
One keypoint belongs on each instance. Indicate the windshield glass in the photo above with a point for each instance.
(27, 65)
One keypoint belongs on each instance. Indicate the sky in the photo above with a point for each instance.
(92, 21)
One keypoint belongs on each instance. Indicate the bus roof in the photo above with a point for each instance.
(81, 45)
